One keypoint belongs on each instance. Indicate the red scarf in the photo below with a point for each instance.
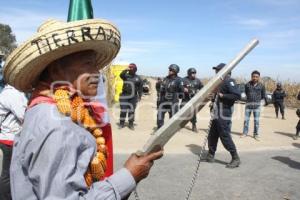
(98, 110)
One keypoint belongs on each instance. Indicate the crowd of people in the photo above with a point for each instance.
(173, 92)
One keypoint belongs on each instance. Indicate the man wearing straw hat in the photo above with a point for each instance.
(65, 150)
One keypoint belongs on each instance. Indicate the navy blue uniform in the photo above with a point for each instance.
(278, 100)
(221, 124)
(171, 91)
(192, 86)
(131, 92)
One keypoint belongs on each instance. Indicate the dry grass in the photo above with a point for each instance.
(291, 88)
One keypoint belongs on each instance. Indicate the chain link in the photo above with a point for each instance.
(136, 195)
(196, 172)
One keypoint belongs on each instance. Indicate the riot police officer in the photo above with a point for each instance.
(225, 98)
(131, 93)
(171, 91)
(278, 100)
(191, 86)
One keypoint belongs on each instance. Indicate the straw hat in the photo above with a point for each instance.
(56, 39)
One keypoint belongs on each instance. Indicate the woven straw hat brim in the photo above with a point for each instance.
(25, 64)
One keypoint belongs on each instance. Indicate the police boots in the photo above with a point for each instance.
(131, 125)
(210, 158)
(121, 124)
(235, 161)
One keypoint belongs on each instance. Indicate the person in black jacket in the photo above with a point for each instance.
(171, 91)
(192, 85)
(157, 88)
(298, 125)
(225, 98)
(255, 92)
(278, 100)
(131, 93)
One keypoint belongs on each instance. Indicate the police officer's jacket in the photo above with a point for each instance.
(171, 89)
(193, 86)
(132, 84)
(230, 92)
(278, 96)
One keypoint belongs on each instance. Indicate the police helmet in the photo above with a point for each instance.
(175, 68)
(191, 71)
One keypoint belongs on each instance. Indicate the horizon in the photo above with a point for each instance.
(191, 33)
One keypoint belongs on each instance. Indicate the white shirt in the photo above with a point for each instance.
(12, 109)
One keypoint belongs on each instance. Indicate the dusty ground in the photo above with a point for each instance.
(270, 167)
(275, 133)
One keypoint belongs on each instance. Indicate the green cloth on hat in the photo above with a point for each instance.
(79, 10)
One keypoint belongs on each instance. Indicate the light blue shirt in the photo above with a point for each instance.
(51, 156)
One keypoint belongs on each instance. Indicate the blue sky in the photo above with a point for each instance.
(190, 33)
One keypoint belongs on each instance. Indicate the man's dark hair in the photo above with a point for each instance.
(255, 72)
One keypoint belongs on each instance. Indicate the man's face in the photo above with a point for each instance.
(171, 72)
(193, 75)
(255, 78)
(81, 71)
(132, 71)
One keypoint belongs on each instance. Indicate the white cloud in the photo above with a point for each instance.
(135, 49)
(24, 22)
(280, 2)
(256, 23)
(290, 33)
(281, 39)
